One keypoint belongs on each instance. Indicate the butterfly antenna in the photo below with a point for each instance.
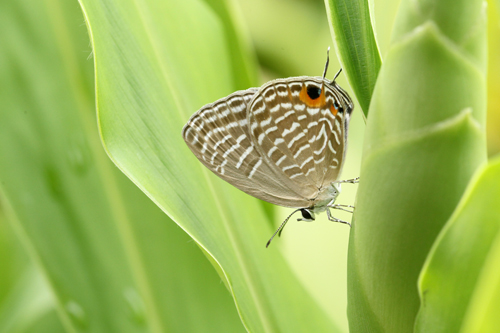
(327, 62)
(336, 75)
(281, 227)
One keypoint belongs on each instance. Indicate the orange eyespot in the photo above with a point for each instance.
(305, 96)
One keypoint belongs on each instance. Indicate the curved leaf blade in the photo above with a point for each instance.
(158, 63)
(460, 278)
(424, 140)
(103, 246)
(356, 46)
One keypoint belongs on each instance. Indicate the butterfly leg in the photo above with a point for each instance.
(350, 181)
(342, 207)
(334, 219)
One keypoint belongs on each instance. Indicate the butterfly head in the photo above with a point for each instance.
(307, 215)
(326, 196)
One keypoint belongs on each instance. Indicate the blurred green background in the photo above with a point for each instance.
(59, 188)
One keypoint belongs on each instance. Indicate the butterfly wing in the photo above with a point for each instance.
(218, 135)
(299, 126)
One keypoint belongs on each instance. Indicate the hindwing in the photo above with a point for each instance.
(218, 135)
(299, 126)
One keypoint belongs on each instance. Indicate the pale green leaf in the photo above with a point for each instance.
(460, 282)
(352, 29)
(30, 306)
(156, 64)
(113, 260)
(424, 140)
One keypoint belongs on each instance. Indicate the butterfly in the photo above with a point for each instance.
(284, 143)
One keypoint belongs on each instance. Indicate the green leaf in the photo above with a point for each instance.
(13, 259)
(113, 260)
(30, 306)
(424, 140)
(352, 29)
(26, 303)
(156, 64)
(460, 282)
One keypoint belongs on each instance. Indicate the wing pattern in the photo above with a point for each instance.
(218, 135)
(283, 143)
(299, 125)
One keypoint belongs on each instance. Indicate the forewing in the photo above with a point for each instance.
(218, 136)
(300, 137)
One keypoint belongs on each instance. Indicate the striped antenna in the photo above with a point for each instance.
(336, 75)
(281, 227)
(327, 62)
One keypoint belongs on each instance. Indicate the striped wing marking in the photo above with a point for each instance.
(218, 135)
(302, 139)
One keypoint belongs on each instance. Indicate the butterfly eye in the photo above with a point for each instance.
(307, 215)
(313, 92)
